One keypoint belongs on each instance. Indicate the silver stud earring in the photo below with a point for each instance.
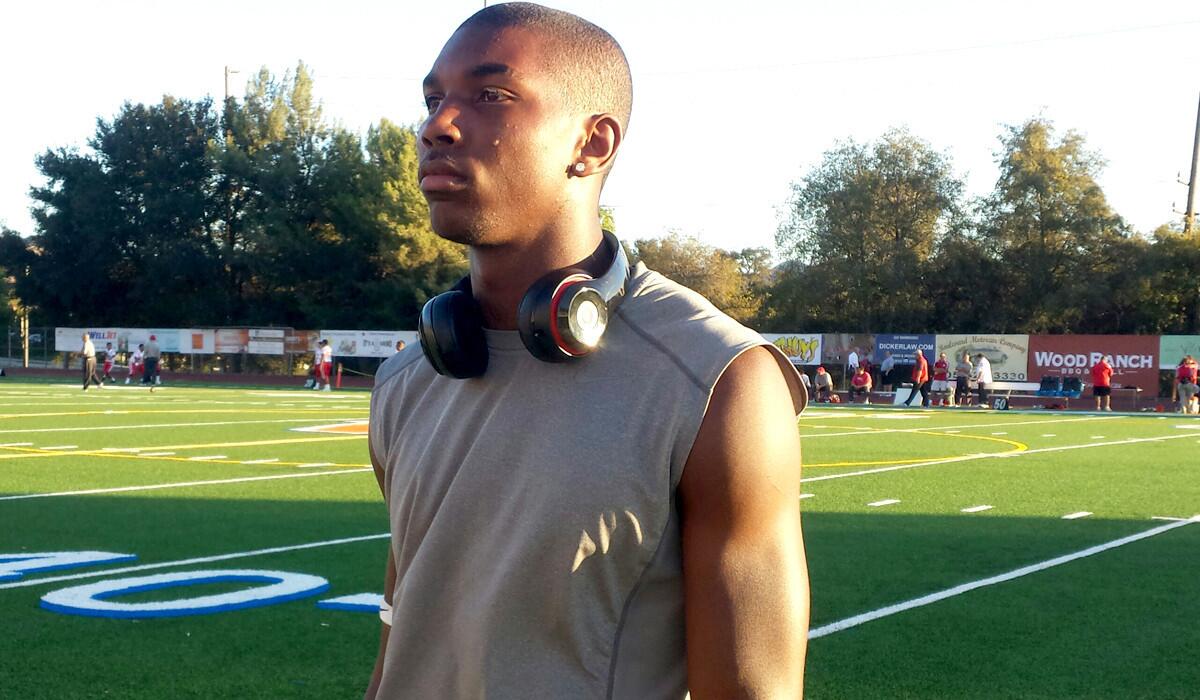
(579, 168)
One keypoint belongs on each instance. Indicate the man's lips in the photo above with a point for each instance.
(443, 183)
(440, 176)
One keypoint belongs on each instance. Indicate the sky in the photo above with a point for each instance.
(733, 101)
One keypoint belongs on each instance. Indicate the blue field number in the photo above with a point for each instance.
(101, 598)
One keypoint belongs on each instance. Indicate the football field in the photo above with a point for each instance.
(201, 543)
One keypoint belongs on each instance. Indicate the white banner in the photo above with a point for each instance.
(801, 348)
(182, 340)
(367, 343)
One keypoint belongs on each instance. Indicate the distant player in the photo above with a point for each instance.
(860, 385)
(983, 378)
(1102, 373)
(323, 359)
(137, 361)
(110, 359)
(942, 391)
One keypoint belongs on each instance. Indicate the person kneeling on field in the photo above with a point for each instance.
(823, 384)
(860, 385)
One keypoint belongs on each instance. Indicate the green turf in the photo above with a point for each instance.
(1118, 624)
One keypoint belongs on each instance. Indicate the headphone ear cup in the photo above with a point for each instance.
(451, 332)
(536, 316)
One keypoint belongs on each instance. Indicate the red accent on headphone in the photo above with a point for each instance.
(558, 293)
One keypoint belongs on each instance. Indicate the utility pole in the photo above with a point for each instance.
(228, 73)
(1189, 219)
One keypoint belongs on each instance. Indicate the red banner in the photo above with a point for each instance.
(1134, 358)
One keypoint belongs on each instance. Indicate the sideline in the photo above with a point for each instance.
(194, 560)
(924, 600)
(184, 484)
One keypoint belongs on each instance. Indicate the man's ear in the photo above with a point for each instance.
(600, 144)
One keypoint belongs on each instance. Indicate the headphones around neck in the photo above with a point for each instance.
(561, 317)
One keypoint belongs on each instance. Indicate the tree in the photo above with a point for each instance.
(867, 220)
(712, 272)
(1050, 225)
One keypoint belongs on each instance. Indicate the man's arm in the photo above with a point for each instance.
(745, 576)
(389, 585)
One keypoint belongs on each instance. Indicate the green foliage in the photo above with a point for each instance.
(263, 214)
(717, 274)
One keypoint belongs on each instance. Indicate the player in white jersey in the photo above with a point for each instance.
(136, 362)
(110, 359)
(324, 361)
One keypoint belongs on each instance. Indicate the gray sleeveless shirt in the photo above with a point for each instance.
(533, 510)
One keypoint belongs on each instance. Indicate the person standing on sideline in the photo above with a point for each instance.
(851, 365)
(860, 385)
(943, 392)
(1102, 373)
(597, 504)
(137, 360)
(88, 351)
(920, 380)
(110, 359)
(885, 371)
(1186, 383)
(983, 378)
(962, 379)
(324, 360)
(152, 358)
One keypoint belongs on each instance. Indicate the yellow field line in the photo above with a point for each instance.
(30, 452)
(1017, 447)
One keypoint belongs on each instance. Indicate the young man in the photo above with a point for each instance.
(137, 363)
(88, 352)
(860, 385)
(323, 359)
(942, 391)
(983, 378)
(151, 359)
(962, 378)
(1186, 383)
(920, 380)
(110, 359)
(824, 385)
(623, 525)
(1102, 373)
(886, 368)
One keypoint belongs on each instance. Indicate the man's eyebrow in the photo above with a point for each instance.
(483, 70)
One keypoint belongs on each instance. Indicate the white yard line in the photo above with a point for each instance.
(884, 502)
(194, 560)
(924, 600)
(976, 509)
(155, 454)
(325, 419)
(261, 461)
(987, 455)
(1077, 516)
(201, 458)
(17, 444)
(313, 465)
(926, 429)
(807, 495)
(181, 484)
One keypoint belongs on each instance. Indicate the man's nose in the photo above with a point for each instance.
(441, 128)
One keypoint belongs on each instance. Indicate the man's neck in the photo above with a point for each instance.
(500, 275)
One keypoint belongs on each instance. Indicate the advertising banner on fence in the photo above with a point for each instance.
(1173, 348)
(367, 343)
(1133, 357)
(1009, 354)
(836, 347)
(903, 347)
(801, 348)
(265, 341)
(181, 340)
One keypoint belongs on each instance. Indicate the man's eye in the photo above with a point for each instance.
(491, 95)
(432, 102)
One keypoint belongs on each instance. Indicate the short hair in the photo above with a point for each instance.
(592, 68)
